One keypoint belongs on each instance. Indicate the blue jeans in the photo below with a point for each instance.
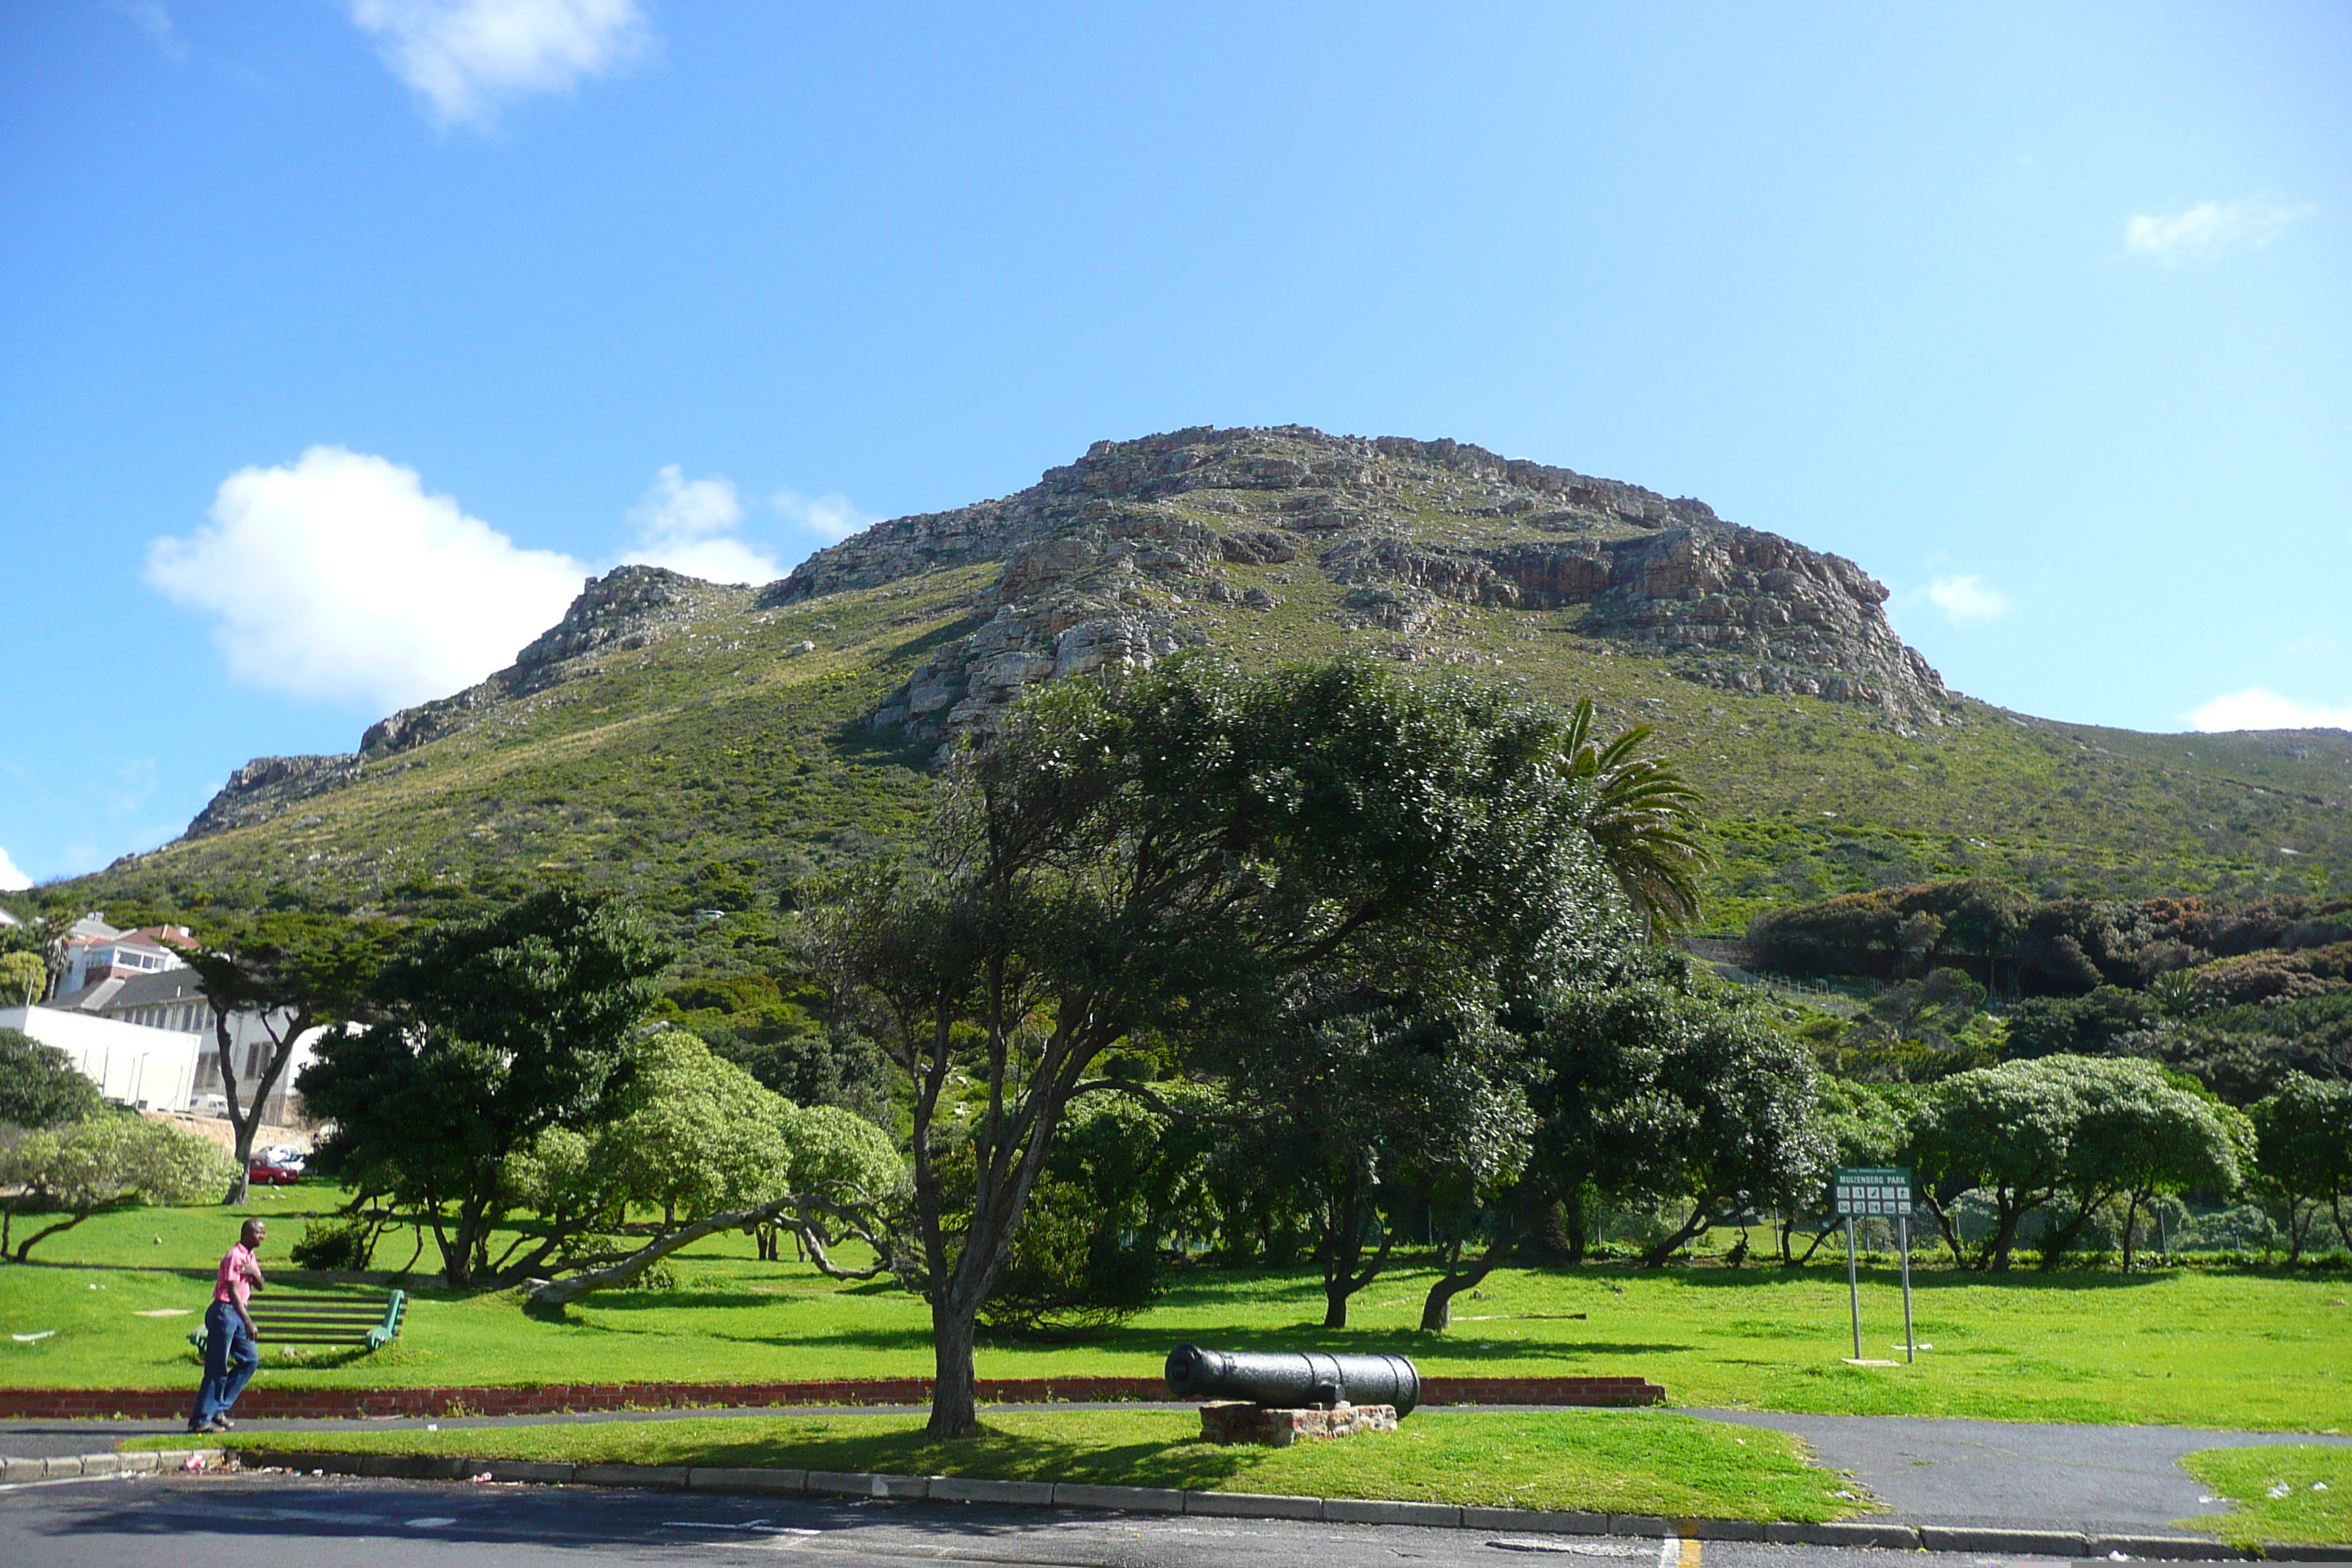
(230, 1360)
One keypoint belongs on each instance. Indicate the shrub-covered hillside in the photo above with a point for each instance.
(703, 747)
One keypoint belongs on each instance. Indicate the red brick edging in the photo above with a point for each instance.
(548, 1399)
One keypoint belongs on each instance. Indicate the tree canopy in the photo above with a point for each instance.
(1172, 852)
(39, 1084)
(101, 1163)
(499, 1030)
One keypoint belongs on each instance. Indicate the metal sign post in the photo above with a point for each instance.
(1853, 1289)
(1875, 1190)
(1910, 1345)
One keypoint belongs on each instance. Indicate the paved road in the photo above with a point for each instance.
(288, 1522)
(41, 1440)
(2098, 1479)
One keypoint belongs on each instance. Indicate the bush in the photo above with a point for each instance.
(343, 1245)
(1067, 1277)
(2266, 978)
(40, 1086)
(2076, 1026)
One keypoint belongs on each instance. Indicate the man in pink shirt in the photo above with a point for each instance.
(231, 1354)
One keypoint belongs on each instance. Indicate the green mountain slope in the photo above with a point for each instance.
(703, 747)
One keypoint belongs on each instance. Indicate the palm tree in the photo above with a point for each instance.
(1645, 820)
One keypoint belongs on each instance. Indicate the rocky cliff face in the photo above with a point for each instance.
(266, 785)
(629, 607)
(1095, 553)
(1103, 563)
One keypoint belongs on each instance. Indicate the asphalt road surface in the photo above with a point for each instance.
(2120, 1480)
(279, 1522)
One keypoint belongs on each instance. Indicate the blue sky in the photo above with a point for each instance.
(339, 340)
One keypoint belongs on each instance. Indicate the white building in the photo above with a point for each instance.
(134, 1064)
(168, 1002)
(96, 951)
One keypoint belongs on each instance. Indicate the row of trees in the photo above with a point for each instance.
(505, 1088)
(1320, 954)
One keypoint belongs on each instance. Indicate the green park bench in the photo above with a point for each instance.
(323, 1320)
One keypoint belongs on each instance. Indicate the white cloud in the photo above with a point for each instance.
(338, 578)
(1966, 599)
(2209, 229)
(687, 525)
(2257, 709)
(12, 881)
(153, 19)
(830, 518)
(464, 57)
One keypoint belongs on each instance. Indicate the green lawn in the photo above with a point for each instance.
(2300, 1493)
(2248, 1350)
(1605, 1462)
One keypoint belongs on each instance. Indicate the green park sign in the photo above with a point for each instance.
(1860, 1192)
(1873, 1190)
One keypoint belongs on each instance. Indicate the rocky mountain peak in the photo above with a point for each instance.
(1094, 553)
(1142, 547)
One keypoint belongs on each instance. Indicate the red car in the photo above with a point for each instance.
(263, 1174)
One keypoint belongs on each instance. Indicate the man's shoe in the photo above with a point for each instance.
(220, 1424)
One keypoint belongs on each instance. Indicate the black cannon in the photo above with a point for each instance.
(1294, 1380)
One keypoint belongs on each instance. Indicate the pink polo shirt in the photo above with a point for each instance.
(238, 1273)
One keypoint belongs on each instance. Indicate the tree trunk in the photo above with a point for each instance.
(557, 1292)
(2131, 1224)
(1945, 1223)
(2057, 1244)
(43, 1235)
(1343, 1245)
(1344, 1250)
(1656, 1257)
(239, 1124)
(954, 1403)
(1580, 1236)
(2004, 1236)
(1818, 1237)
(1437, 1312)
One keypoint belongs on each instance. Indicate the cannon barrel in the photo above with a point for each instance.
(1293, 1379)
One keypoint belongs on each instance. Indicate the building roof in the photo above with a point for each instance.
(151, 990)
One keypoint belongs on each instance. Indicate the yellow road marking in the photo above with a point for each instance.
(1690, 1552)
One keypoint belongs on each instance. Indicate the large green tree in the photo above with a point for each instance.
(2304, 1136)
(2006, 1132)
(1172, 851)
(2140, 1132)
(698, 1138)
(499, 1029)
(1374, 1108)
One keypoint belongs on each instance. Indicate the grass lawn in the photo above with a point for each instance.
(2251, 1350)
(1602, 1462)
(2298, 1493)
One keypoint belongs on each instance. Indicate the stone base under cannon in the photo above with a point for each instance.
(1238, 1421)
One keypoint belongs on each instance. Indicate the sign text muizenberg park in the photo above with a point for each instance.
(1862, 1192)
(1874, 1190)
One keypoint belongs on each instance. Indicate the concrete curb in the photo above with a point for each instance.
(1885, 1533)
(143, 1462)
